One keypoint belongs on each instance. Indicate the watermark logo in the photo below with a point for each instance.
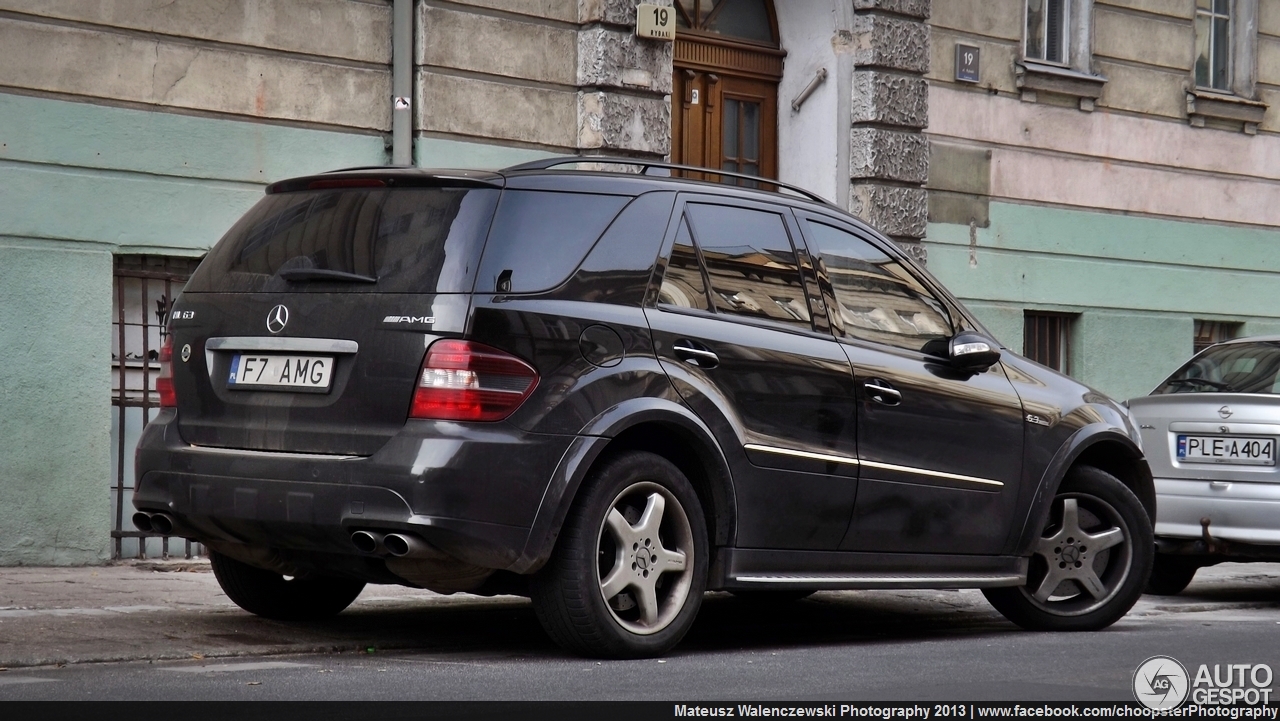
(1161, 682)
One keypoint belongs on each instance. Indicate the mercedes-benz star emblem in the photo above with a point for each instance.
(1224, 411)
(277, 319)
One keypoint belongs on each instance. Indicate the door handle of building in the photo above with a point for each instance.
(693, 355)
(881, 392)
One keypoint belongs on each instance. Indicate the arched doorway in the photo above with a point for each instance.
(724, 100)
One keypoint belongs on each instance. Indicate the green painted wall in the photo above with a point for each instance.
(446, 153)
(78, 183)
(1137, 284)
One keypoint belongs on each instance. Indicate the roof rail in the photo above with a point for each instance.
(647, 165)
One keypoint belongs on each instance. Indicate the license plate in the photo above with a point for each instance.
(280, 372)
(1234, 450)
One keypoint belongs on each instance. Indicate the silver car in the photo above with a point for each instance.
(1210, 432)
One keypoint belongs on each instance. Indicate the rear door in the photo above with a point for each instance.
(940, 449)
(733, 326)
(303, 330)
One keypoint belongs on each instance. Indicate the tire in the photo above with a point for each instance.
(1171, 575)
(772, 596)
(271, 595)
(1092, 562)
(598, 596)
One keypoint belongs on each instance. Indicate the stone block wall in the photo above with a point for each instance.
(555, 77)
(889, 154)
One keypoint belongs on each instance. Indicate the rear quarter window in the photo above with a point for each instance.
(539, 238)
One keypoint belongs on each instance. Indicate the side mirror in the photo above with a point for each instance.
(972, 351)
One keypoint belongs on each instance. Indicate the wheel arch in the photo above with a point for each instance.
(655, 425)
(1100, 446)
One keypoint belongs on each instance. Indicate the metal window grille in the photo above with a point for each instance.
(1046, 37)
(143, 291)
(1047, 339)
(1213, 44)
(1209, 332)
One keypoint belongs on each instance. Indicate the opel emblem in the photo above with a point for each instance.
(1224, 412)
(278, 318)
(186, 352)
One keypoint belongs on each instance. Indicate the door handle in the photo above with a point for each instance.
(693, 355)
(881, 391)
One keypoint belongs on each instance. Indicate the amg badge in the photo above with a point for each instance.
(427, 319)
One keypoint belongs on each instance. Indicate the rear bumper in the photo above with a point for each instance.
(470, 490)
(1244, 512)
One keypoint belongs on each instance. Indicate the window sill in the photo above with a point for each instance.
(1034, 78)
(1205, 105)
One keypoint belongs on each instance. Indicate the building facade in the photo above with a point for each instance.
(1095, 183)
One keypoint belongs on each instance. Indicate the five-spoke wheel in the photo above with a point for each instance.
(627, 574)
(1090, 564)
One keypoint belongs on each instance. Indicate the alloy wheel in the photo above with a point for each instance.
(1082, 560)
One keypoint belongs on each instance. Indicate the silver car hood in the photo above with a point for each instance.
(1161, 418)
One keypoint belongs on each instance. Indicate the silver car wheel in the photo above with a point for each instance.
(645, 552)
(1082, 560)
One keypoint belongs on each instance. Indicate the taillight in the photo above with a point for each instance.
(466, 381)
(164, 381)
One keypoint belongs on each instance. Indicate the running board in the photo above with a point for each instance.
(846, 581)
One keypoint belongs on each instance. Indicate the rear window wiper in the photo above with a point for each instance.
(1217, 385)
(303, 274)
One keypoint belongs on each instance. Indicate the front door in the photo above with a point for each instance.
(733, 328)
(940, 449)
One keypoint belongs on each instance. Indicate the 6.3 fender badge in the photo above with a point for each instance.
(1033, 418)
(277, 319)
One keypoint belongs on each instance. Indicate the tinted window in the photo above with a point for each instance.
(750, 263)
(412, 239)
(682, 285)
(618, 268)
(1232, 368)
(877, 298)
(539, 238)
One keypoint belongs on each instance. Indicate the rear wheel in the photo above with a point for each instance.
(1171, 575)
(629, 569)
(1091, 563)
(271, 595)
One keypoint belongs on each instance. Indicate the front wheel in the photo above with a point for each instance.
(629, 569)
(1091, 563)
(271, 595)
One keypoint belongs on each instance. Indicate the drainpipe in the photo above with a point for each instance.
(402, 82)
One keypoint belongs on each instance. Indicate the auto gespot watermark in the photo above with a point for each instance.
(1161, 683)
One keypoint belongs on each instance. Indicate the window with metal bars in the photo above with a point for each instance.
(1213, 44)
(1047, 339)
(143, 292)
(1046, 37)
(1209, 332)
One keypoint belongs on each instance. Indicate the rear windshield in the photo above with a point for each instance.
(402, 240)
(1232, 368)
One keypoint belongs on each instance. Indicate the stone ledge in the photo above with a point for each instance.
(1033, 78)
(892, 209)
(911, 8)
(890, 42)
(889, 99)
(612, 12)
(878, 154)
(1203, 105)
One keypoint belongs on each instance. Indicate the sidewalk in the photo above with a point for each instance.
(174, 610)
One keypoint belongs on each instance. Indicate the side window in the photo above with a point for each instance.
(538, 238)
(750, 263)
(682, 285)
(877, 298)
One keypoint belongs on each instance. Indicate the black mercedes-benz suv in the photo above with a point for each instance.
(612, 392)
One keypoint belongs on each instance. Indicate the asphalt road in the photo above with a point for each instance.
(848, 646)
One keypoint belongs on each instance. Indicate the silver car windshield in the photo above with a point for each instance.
(1230, 368)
